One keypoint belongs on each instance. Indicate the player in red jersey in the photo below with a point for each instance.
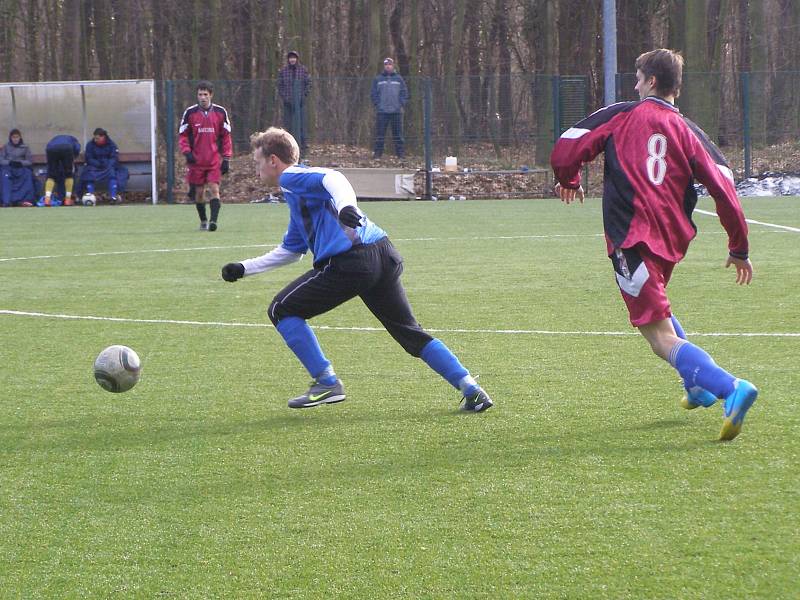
(205, 141)
(653, 156)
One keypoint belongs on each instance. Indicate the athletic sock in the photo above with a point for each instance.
(201, 211)
(439, 358)
(698, 369)
(327, 377)
(90, 188)
(112, 188)
(302, 341)
(214, 209)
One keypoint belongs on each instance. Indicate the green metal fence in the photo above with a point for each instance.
(493, 124)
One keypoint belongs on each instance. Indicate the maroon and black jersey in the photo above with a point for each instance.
(206, 134)
(653, 155)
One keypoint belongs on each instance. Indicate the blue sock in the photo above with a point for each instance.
(90, 188)
(698, 369)
(112, 188)
(302, 341)
(444, 362)
(678, 329)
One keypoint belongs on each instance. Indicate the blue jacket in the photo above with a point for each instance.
(102, 157)
(313, 219)
(389, 93)
(65, 141)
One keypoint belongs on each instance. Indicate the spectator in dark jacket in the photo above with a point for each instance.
(18, 186)
(294, 84)
(389, 96)
(102, 165)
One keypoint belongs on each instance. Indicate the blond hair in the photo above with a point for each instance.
(276, 141)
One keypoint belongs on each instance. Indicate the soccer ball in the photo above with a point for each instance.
(88, 199)
(117, 369)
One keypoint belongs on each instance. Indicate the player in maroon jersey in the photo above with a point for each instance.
(653, 156)
(205, 141)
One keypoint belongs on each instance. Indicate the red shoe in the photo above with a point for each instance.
(69, 201)
(26, 203)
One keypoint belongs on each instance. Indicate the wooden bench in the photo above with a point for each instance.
(138, 164)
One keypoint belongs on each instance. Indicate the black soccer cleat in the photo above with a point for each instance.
(212, 226)
(318, 394)
(477, 402)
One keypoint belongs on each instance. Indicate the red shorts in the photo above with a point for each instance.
(197, 175)
(642, 278)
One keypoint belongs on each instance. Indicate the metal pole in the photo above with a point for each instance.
(556, 85)
(609, 50)
(170, 138)
(426, 119)
(746, 124)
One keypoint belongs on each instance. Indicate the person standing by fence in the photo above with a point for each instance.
(294, 84)
(389, 95)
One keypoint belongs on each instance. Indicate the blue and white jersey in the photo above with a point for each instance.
(315, 196)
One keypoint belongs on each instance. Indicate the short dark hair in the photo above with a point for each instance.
(666, 66)
(205, 85)
(15, 132)
(100, 131)
(276, 141)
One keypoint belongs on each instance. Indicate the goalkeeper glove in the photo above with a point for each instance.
(350, 217)
(225, 166)
(190, 159)
(233, 271)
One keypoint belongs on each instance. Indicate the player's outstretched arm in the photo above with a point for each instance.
(271, 260)
(568, 195)
(744, 269)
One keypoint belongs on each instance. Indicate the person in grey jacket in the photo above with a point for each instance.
(17, 175)
(389, 96)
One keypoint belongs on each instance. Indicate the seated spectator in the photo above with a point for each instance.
(18, 182)
(61, 151)
(102, 165)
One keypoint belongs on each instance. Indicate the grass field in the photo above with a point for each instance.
(586, 480)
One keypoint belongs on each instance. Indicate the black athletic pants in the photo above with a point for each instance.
(60, 161)
(370, 271)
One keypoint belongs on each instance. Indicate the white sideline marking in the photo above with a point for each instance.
(753, 221)
(22, 313)
(201, 248)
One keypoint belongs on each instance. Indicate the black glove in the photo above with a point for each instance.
(350, 217)
(233, 271)
(14, 163)
(190, 159)
(225, 166)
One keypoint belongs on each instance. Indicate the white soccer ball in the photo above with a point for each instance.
(88, 199)
(117, 369)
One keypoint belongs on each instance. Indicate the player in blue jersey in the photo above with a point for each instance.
(352, 257)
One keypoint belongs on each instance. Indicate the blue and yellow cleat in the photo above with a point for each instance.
(697, 396)
(736, 406)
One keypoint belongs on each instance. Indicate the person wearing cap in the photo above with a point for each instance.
(102, 165)
(389, 96)
(18, 187)
(294, 84)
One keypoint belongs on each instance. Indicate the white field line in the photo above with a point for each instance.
(420, 239)
(753, 221)
(544, 332)
(202, 248)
